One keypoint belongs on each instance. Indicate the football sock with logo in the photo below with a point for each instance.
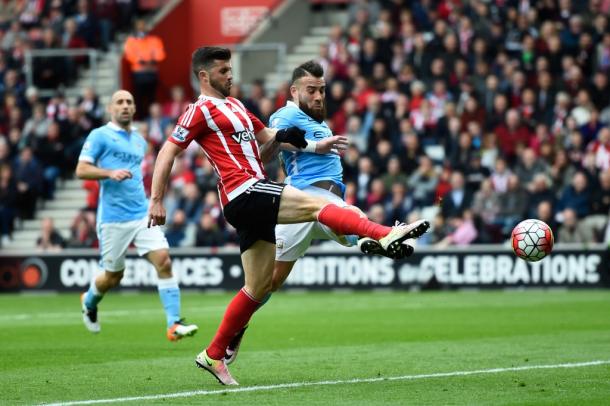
(169, 293)
(93, 296)
(345, 221)
(236, 316)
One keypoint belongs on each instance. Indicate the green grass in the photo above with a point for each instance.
(48, 356)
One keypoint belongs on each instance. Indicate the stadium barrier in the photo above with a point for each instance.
(480, 267)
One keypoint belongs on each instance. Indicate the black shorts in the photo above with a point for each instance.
(254, 213)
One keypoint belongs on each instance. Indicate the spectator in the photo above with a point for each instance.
(144, 52)
(8, 193)
(458, 199)
(486, 202)
(50, 153)
(511, 134)
(572, 230)
(88, 24)
(50, 71)
(177, 104)
(423, 182)
(90, 105)
(393, 174)
(539, 191)
(28, 178)
(190, 203)
(50, 239)
(36, 127)
(399, 204)
(513, 203)
(175, 232)
(257, 92)
(475, 172)
(600, 207)
(576, 196)
(208, 233)
(544, 212)
(377, 193)
(601, 149)
(156, 125)
(82, 231)
(464, 232)
(364, 178)
(528, 166)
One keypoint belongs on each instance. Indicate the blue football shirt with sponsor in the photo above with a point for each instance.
(304, 168)
(111, 147)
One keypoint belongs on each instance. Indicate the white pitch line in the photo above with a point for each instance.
(328, 383)
(112, 313)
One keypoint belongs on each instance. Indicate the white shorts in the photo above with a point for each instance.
(293, 240)
(115, 238)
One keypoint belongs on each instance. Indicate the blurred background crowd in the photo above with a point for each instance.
(474, 114)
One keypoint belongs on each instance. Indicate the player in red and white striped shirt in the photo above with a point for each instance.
(237, 144)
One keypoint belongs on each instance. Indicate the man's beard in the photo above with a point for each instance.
(124, 120)
(225, 91)
(319, 114)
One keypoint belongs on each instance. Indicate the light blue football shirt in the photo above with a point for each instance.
(304, 168)
(111, 147)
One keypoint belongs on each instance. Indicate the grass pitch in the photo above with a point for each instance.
(336, 348)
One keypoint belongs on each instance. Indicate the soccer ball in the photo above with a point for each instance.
(532, 240)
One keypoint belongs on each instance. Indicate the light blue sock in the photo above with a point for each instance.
(169, 292)
(93, 297)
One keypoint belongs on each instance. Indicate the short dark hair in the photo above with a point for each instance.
(309, 68)
(203, 58)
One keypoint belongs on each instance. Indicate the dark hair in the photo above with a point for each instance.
(309, 68)
(203, 58)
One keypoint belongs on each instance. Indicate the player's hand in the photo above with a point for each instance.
(120, 175)
(334, 145)
(292, 135)
(156, 214)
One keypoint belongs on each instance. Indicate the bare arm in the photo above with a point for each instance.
(163, 167)
(86, 170)
(268, 146)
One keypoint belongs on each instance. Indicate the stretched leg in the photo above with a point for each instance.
(297, 206)
(258, 268)
(258, 263)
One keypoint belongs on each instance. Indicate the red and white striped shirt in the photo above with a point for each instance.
(225, 130)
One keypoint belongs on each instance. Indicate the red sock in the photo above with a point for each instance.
(236, 316)
(348, 222)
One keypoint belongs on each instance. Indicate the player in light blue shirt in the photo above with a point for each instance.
(314, 173)
(113, 154)
(306, 168)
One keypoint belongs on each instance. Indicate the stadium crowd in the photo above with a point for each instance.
(475, 114)
(40, 138)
